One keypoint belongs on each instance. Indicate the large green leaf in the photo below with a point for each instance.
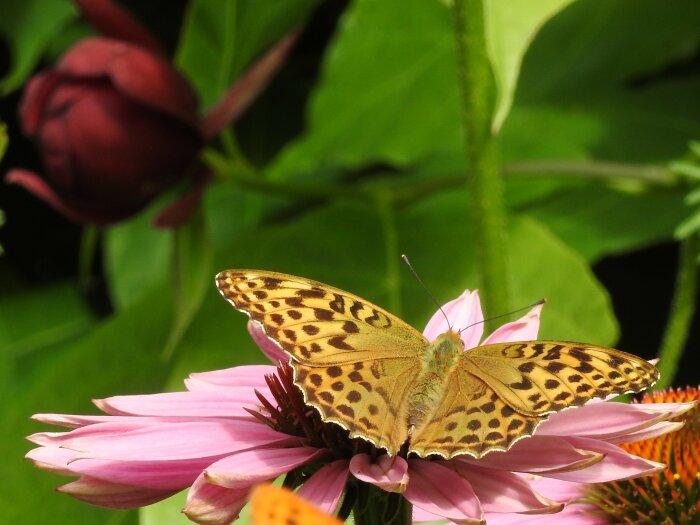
(29, 26)
(136, 258)
(219, 38)
(510, 27)
(387, 93)
(615, 221)
(121, 356)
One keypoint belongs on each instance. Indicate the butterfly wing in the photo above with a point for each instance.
(470, 420)
(500, 393)
(353, 361)
(280, 506)
(541, 377)
(316, 324)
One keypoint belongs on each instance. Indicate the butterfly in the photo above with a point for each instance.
(280, 506)
(376, 376)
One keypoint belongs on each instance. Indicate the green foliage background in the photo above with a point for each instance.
(375, 170)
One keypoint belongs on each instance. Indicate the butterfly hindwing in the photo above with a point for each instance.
(370, 398)
(471, 420)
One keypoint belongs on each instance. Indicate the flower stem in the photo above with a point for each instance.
(89, 242)
(375, 506)
(485, 180)
(386, 212)
(682, 310)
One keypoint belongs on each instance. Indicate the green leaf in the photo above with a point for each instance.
(510, 27)
(192, 273)
(136, 256)
(29, 26)
(597, 221)
(3, 140)
(220, 38)
(690, 226)
(436, 237)
(387, 92)
(25, 327)
(121, 356)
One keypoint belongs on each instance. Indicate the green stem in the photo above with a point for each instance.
(86, 257)
(385, 207)
(375, 506)
(484, 179)
(595, 169)
(408, 192)
(682, 310)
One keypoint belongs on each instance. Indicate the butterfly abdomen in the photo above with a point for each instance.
(440, 359)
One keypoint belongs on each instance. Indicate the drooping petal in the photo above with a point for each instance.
(325, 487)
(654, 431)
(441, 491)
(253, 466)
(175, 441)
(501, 491)
(538, 454)
(214, 505)
(33, 183)
(112, 495)
(387, 472)
(252, 376)
(604, 420)
(230, 403)
(169, 475)
(524, 329)
(616, 465)
(463, 311)
(273, 352)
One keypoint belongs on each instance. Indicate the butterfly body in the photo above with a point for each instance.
(368, 371)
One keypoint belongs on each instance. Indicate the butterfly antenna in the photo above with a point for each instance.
(404, 258)
(541, 301)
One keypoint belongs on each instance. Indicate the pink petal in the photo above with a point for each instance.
(659, 429)
(463, 311)
(420, 516)
(77, 421)
(537, 454)
(273, 352)
(617, 464)
(253, 466)
(166, 475)
(112, 495)
(230, 403)
(524, 329)
(571, 515)
(113, 21)
(609, 419)
(325, 487)
(51, 459)
(252, 376)
(213, 505)
(556, 489)
(175, 441)
(501, 491)
(441, 491)
(388, 473)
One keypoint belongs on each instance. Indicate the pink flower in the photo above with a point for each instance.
(236, 428)
(117, 125)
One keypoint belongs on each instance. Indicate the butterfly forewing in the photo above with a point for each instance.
(317, 324)
(541, 377)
